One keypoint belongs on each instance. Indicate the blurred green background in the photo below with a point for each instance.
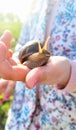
(13, 23)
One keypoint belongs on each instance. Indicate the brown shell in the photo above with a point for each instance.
(30, 56)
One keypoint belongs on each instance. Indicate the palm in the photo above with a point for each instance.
(5, 61)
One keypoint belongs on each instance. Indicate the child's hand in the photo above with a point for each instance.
(57, 71)
(6, 88)
(9, 69)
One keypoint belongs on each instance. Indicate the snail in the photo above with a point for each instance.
(33, 54)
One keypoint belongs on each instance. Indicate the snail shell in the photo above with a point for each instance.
(33, 54)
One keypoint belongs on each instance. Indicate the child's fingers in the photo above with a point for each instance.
(6, 38)
(3, 85)
(9, 90)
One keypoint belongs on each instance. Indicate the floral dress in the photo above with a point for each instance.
(43, 107)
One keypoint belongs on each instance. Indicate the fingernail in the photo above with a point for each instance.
(6, 97)
(34, 83)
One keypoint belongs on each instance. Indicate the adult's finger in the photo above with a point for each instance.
(6, 38)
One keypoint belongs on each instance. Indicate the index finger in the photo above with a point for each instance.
(16, 72)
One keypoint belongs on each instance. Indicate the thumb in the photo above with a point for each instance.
(34, 77)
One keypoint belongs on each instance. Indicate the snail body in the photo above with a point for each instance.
(34, 55)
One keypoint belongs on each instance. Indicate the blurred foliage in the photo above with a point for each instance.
(13, 23)
(4, 112)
